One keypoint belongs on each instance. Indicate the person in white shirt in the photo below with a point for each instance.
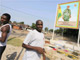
(34, 43)
(5, 31)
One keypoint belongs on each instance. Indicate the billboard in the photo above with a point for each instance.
(68, 15)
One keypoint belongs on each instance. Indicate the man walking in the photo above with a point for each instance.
(34, 43)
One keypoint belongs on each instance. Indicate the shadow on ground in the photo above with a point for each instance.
(11, 56)
(47, 58)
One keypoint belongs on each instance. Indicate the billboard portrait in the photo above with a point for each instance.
(68, 15)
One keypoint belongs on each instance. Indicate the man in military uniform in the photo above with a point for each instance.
(67, 14)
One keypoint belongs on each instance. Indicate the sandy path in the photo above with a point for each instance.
(12, 53)
(16, 53)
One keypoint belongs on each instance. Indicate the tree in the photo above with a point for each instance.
(14, 22)
(33, 26)
(68, 32)
(51, 30)
(71, 32)
(21, 23)
(46, 29)
(10, 22)
(59, 31)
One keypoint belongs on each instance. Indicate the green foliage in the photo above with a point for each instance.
(18, 22)
(71, 32)
(51, 30)
(10, 22)
(46, 29)
(21, 22)
(14, 22)
(15, 42)
(68, 32)
(58, 31)
(33, 26)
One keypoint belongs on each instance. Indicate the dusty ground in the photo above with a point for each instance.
(12, 53)
(17, 52)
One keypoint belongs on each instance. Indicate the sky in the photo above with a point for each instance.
(31, 10)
